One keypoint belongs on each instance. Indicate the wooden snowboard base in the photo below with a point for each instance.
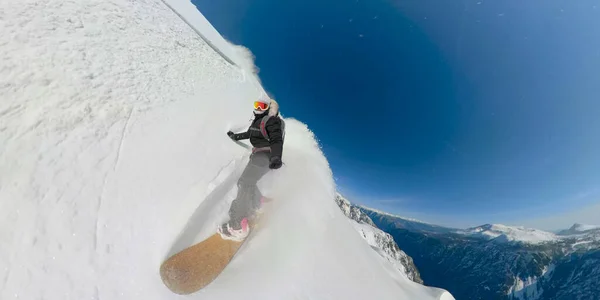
(195, 267)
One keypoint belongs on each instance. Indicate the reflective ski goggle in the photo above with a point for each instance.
(260, 105)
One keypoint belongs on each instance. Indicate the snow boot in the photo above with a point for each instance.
(235, 233)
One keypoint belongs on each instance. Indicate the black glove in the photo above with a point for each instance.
(231, 135)
(275, 162)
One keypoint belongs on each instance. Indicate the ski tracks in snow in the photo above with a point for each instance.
(100, 200)
(76, 75)
(122, 139)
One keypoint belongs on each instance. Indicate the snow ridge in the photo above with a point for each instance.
(395, 216)
(381, 242)
(351, 211)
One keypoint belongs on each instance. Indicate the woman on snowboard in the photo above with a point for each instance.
(266, 136)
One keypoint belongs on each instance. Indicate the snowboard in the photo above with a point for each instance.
(193, 268)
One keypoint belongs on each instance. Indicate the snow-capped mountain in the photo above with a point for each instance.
(578, 229)
(381, 242)
(113, 154)
(503, 233)
(501, 262)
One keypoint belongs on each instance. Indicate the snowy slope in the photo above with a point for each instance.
(113, 155)
(381, 242)
(503, 233)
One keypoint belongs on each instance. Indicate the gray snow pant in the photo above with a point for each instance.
(248, 196)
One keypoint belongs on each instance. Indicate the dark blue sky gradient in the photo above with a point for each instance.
(451, 111)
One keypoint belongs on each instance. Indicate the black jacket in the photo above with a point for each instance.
(257, 140)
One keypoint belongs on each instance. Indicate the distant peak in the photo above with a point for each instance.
(486, 226)
(577, 227)
(490, 227)
(503, 233)
(393, 215)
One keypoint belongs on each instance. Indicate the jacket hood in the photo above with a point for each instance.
(273, 108)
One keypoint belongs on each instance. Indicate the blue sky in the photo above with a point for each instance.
(456, 112)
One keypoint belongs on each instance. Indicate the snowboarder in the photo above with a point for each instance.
(266, 136)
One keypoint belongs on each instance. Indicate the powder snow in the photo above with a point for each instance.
(113, 154)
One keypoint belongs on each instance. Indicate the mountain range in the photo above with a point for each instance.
(495, 261)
